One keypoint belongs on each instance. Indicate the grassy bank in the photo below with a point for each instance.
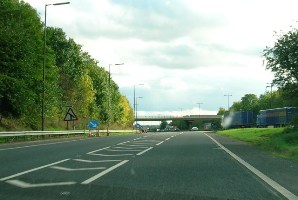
(280, 141)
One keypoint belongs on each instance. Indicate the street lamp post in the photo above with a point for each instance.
(270, 85)
(109, 98)
(137, 108)
(199, 108)
(44, 62)
(228, 95)
(134, 100)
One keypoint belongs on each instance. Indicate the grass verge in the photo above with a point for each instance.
(282, 142)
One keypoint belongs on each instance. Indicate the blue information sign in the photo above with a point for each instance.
(93, 124)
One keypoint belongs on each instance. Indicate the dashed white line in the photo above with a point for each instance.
(262, 176)
(31, 170)
(104, 172)
(167, 139)
(144, 151)
(23, 184)
(160, 143)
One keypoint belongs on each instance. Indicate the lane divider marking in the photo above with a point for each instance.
(23, 184)
(144, 151)
(95, 161)
(98, 150)
(286, 193)
(160, 143)
(97, 154)
(104, 172)
(78, 169)
(32, 170)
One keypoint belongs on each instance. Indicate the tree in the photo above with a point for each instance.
(163, 124)
(282, 60)
(221, 111)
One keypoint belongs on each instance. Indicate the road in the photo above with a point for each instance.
(174, 165)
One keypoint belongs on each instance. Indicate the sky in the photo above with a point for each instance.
(177, 53)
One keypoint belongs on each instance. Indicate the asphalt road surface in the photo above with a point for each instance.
(174, 165)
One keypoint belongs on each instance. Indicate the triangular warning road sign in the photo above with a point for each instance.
(70, 115)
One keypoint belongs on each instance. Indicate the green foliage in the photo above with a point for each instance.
(72, 76)
(282, 60)
(280, 141)
(163, 124)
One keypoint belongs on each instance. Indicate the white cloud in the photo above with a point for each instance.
(184, 51)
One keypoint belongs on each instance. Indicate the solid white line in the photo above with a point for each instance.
(22, 184)
(78, 169)
(286, 193)
(124, 148)
(36, 145)
(98, 150)
(160, 143)
(31, 170)
(104, 172)
(144, 151)
(95, 161)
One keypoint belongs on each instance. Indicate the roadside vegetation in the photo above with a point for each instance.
(72, 77)
(282, 142)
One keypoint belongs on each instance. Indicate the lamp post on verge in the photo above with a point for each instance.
(137, 108)
(44, 61)
(199, 108)
(134, 100)
(270, 85)
(228, 95)
(109, 98)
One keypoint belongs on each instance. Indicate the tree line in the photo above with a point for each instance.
(72, 76)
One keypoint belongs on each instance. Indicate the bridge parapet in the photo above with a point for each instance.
(187, 117)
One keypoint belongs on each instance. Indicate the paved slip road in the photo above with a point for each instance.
(176, 165)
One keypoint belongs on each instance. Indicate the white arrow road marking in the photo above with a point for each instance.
(22, 184)
(97, 150)
(77, 169)
(95, 161)
(97, 154)
(104, 172)
(122, 150)
(144, 151)
(31, 170)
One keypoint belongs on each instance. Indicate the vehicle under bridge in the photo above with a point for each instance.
(203, 122)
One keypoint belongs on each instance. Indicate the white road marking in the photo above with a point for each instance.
(77, 169)
(286, 193)
(32, 170)
(167, 138)
(104, 172)
(144, 151)
(98, 150)
(138, 138)
(95, 161)
(122, 150)
(135, 145)
(97, 154)
(22, 184)
(122, 143)
(36, 145)
(160, 143)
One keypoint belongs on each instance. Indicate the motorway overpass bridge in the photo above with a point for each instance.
(184, 118)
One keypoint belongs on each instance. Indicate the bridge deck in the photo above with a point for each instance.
(188, 117)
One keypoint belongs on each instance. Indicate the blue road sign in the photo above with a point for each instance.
(93, 124)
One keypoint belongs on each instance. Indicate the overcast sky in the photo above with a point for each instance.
(184, 52)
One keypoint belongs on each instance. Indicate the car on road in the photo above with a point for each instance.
(194, 128)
